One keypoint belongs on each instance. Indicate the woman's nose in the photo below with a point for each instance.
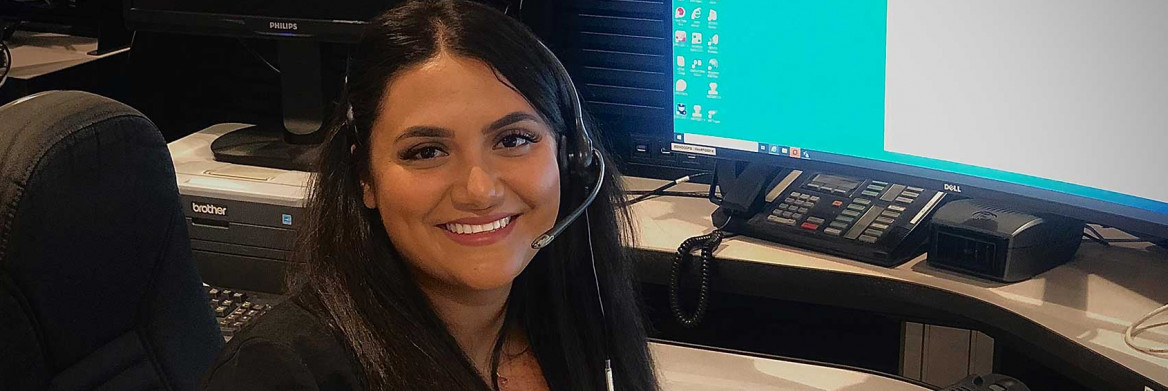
(482, 190)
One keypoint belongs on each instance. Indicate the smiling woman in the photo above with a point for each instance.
(443, 168)
(474, 152)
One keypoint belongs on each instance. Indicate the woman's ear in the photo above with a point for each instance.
(368, 196)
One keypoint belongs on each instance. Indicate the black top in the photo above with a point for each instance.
(287, 348)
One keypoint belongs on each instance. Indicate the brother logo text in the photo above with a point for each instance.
(209, 209)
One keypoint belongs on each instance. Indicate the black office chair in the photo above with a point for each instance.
(97, 288)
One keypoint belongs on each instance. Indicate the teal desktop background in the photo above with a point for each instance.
(808, 74)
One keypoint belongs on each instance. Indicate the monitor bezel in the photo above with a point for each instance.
(242, 26)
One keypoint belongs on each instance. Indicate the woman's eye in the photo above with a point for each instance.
(424, 153)
(516, 140)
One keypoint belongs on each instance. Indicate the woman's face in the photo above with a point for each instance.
(463, 173)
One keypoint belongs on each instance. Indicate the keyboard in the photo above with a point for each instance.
(236, 309)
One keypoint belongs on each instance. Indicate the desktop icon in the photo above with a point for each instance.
(680, 12)
(697, 14)
(714, 40)
(710, 114)
(713, 16)
(796, 152)
(696, 39)
(712, 64)
(713, 89)
(680, 61)
(681, 108)
(697, 112)
(681, 85)
(679, 36)
(696, 64)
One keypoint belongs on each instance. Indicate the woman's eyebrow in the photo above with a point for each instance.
(424, 131)
(509, 119)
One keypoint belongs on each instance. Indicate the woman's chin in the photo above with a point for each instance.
(486, 283)
(490, 276)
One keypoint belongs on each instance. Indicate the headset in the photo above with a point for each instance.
(576, 156)
(579, 158)
(577, 152)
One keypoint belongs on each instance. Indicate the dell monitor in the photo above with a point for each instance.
(1051, 106)
(299, 26)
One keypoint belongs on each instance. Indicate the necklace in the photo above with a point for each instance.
(506, 359)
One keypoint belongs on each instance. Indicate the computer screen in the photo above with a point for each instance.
(1055, 100)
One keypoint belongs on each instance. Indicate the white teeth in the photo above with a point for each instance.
(465, 229)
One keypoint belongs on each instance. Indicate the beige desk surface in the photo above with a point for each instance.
(1090, 300)
(688, 369)
(37, 54)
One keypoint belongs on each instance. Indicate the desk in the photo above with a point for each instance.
(39, 54)
(47, 61)
(1071, 318)
(683, 368)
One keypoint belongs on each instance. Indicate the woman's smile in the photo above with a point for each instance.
(480, 231)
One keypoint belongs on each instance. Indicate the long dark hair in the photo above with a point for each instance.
(354, 279)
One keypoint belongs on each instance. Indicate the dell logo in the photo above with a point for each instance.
(953, 188)
(209, 209)
(282, 25)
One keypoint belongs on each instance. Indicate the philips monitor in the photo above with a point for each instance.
(299, 26)
(1052, 106)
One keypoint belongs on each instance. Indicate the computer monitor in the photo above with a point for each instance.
(299, 26)
(1052, 106)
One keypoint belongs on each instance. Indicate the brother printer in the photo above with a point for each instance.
(242, 219)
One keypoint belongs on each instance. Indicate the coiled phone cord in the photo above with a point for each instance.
(705, 244)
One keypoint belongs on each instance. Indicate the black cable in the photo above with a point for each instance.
(258, 56)
(1098, 235)
(705, 244)
(665, 187)
(667, 193)
(1098, 238)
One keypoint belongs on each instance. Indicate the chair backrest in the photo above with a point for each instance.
(97, 288)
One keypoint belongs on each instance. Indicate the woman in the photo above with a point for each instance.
(419, 269)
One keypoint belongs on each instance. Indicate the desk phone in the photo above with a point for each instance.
(870, 220)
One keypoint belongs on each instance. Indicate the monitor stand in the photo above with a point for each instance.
(292, 146)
